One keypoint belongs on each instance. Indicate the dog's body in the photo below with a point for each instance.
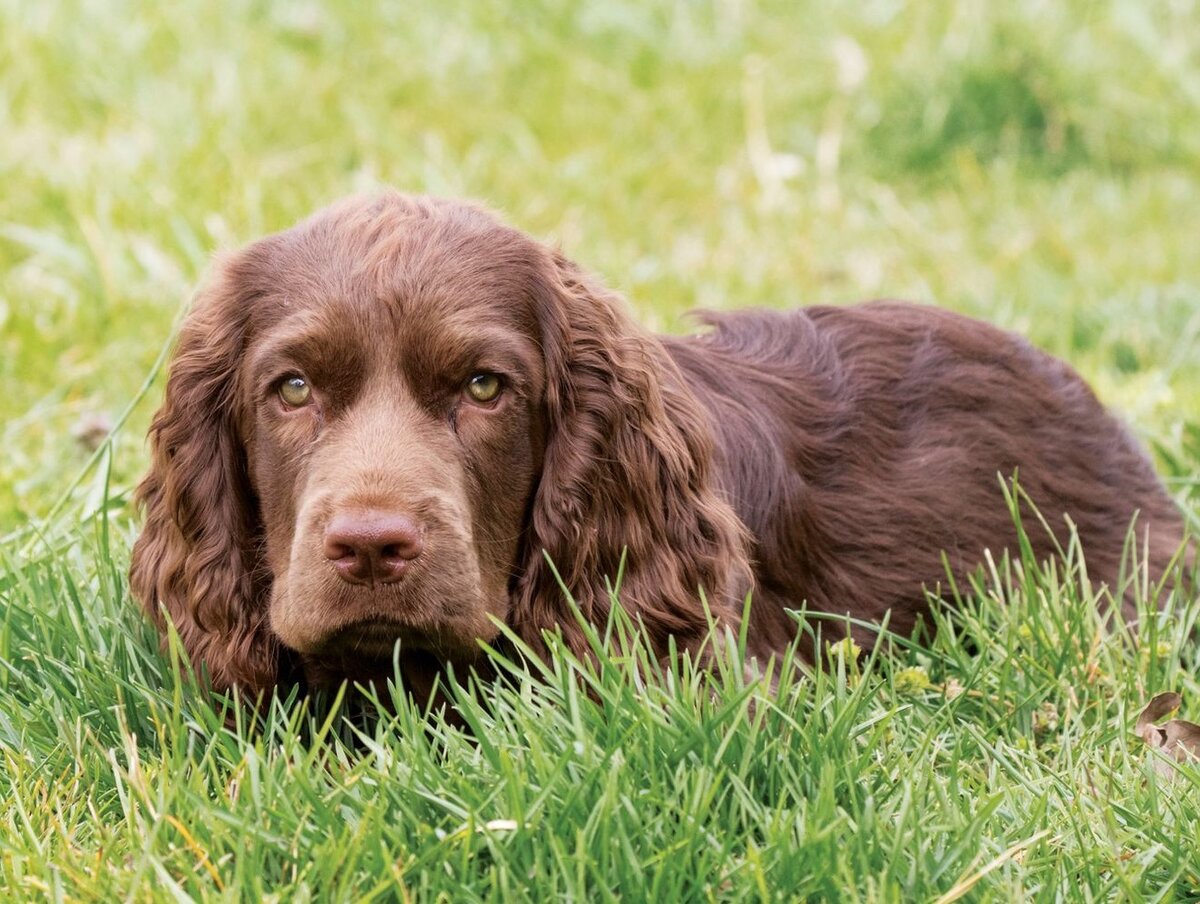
(892, 428)
(379, 424)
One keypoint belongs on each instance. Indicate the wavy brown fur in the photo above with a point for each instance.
(825, 457)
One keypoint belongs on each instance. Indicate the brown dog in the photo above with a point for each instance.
(378, 425)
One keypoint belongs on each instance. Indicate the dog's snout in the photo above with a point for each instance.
(369, 547)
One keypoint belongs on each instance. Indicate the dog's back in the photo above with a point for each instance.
(860, 443)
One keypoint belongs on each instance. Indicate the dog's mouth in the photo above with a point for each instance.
(374, 651)
(379, 639)
(374, 639)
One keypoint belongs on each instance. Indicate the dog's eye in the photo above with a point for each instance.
(295, 391)
(484, 388)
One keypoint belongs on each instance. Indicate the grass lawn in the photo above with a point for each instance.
(1036, 164)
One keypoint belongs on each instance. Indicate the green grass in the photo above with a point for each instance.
(1034, 164)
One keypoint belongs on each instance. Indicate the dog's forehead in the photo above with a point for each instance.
(422, 294)
(392, 271)
(455, 264)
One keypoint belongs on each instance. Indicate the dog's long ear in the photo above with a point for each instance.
(197, 555)
(627, 473)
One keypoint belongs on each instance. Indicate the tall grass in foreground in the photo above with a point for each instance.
(996, 761)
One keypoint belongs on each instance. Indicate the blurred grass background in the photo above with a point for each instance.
(1034, 163)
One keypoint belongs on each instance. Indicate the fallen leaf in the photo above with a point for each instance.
(1177, 739)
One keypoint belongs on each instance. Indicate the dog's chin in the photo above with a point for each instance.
(375, 637)
(375, 650)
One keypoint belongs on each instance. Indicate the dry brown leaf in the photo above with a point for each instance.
(1177, 739)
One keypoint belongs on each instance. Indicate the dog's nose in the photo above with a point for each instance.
(372, 546)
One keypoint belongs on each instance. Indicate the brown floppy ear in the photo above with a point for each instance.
(197, 554)
(628, 471)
